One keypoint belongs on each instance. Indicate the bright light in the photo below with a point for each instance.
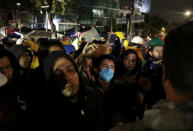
(188, 13)
(45, 6)
(18, 4)
(94, 11)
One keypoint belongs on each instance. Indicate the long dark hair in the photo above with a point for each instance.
(13, 61)
(14, 87)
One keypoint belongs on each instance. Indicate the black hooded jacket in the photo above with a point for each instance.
(84, 115)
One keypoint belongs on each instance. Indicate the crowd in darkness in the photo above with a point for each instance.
(98, 87)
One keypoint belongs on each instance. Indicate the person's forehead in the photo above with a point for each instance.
(4, 61)
(158, 47)
(25, 53)
(131, 55)
(62, 61)
(107, 61)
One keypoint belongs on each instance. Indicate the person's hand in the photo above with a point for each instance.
(89, 49)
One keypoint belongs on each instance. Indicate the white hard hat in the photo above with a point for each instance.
(19, 41)
(3, 80)
(137, 40)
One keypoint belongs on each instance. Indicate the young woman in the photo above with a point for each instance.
(129, 66)
(128, 73)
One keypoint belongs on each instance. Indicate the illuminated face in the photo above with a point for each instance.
(6, 68)
(70, 73)
(129, 62)
(25, 60)
(158, 52)
(106, 63)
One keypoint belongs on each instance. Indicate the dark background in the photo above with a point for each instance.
(171, 10)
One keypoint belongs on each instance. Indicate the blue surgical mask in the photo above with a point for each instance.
(106, 74)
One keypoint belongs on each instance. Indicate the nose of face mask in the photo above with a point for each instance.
(106, 74)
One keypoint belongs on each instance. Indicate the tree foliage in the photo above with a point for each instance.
(54, 7)
(9, 9)
(6, 10)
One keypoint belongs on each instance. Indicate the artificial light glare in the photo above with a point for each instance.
(18, 4)
(187, 13)
(45, 6)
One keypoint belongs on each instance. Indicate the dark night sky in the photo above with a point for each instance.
(171, 10)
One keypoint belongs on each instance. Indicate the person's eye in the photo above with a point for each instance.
(71, 70)
(57, 72)
(113, 67)
(104, 66)
(7, 67)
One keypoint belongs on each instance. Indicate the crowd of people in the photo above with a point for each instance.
(145, 85)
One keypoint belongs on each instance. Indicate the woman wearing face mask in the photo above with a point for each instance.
(68, 103)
